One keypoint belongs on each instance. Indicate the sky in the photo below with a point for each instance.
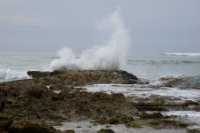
(49, 25)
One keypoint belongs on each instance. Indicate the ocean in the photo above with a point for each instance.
(13, 66)
(164, 64)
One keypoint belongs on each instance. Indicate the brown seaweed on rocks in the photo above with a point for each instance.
(50, 97)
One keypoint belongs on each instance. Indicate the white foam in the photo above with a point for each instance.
(106, 88)
(88, 127)
(145, 91)
(57, 91)
(187, 114)
(10, 74)
(192, 117)
(110, 55)
(183, 54)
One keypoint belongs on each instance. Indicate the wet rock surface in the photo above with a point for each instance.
(163, 103)
(158, 107)
(82, 77)
(105, 131)
(50, 98)
(193, 129)
(30, 127)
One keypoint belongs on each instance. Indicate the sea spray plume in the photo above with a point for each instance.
(110, 56)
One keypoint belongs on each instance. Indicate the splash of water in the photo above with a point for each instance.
(11, 74)
(109, 56)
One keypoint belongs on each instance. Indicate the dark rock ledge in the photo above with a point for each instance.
(36, 104)
(49, 98)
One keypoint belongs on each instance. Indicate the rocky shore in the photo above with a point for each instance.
(46, 100)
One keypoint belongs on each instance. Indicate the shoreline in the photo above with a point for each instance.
(51, 98)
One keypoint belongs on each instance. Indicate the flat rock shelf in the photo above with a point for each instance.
(94, 101)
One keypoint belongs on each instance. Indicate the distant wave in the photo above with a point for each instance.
(162, 62)
(10, 75)
(183, 54)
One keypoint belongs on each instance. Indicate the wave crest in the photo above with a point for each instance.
(10, 74)
(183, 54)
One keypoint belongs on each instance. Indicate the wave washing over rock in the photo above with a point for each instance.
(109, 56)
(9, 75)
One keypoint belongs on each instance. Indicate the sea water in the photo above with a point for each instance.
(164, 64)
(13, 66)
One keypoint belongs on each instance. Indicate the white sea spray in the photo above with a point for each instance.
(110, 56)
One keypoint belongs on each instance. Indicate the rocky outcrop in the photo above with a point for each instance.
(163, 103)
(193, 129)
(49, 98)
(30, 127)
(52, 96)
(105, 131)
(81, 77)
(2, 105)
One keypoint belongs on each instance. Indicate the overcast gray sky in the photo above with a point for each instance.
(48, 25)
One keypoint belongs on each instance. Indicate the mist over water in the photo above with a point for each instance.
(110, 55)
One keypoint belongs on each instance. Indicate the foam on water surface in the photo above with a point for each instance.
(145, 91)
(87, 127)
(191, 117)
(186, 114)
(10, 74)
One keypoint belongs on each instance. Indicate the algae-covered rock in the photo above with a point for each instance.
(134, 124)
(2, 105)
(5, 122)
(69, 131)
(155, 115)
(35, 92)
(87, 76)
(29, 127)
(121, 119)
(193, 129)
(51, 96)
(165, 123)
(105, 131)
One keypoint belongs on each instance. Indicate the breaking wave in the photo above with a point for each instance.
(110, 55)
(10, 75)
(183, 54)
